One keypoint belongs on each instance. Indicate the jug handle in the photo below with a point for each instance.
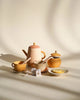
(43, 54)
(25, 53)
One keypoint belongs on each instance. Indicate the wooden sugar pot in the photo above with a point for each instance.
(55, 60)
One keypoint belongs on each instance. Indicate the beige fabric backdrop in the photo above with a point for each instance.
(52, 24)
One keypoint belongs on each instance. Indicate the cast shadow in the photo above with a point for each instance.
(7, 69)
(4, 98)
(10, 58)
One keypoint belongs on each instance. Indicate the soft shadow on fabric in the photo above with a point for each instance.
(34, 82)
(10, 58)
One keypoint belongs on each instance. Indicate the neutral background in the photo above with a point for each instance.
(52, 24)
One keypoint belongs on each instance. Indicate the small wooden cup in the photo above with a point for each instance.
(19, 66)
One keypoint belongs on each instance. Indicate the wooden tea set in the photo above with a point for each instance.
(34, 61)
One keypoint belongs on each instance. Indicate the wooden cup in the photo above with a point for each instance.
(19, 66)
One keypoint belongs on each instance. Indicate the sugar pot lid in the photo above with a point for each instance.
(55, 54)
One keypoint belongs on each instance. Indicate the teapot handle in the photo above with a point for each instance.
(25, 53)
(43, 54)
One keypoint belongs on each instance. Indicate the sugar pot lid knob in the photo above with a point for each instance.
(34, 43)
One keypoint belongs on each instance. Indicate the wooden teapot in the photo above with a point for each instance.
(34, 51)
(55, 60)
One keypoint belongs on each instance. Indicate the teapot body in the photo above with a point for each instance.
(35, 54)
(34, 51)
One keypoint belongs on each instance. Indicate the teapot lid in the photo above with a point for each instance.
(34, 46)
(55, 54)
